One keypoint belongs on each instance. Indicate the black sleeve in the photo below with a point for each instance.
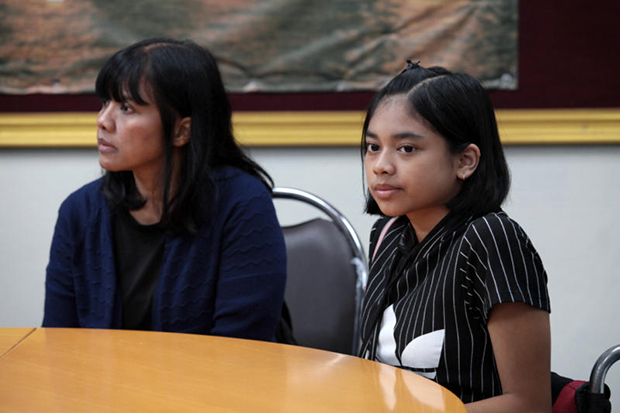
(504, 265)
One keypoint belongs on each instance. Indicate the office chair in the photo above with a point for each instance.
(578, 396)
(326, 272)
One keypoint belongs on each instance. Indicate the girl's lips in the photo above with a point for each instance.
(384, 191)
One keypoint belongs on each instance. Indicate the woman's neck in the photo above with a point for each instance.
(150, 185)
(151, 189)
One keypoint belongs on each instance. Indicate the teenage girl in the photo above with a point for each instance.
(457, 292)
(180, 234)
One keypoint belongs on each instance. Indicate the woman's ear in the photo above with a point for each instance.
(182, 132)
(468, 161)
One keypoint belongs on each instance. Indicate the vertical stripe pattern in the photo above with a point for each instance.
(449, 282)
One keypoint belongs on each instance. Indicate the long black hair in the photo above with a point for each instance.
(185, 81)
(457, 107)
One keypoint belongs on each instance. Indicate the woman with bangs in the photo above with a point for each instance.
(180, 234)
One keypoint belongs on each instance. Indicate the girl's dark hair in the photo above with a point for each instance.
(457, 107)
(184, 81)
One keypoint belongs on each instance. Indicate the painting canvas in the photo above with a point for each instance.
(262, 46)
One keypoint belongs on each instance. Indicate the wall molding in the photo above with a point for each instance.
(517, 127)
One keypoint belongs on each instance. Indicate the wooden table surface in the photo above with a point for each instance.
(81, 370)
(9, 337)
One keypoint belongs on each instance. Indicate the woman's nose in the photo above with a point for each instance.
(104, 118)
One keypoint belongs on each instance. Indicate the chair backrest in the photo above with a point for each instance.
(326, 272)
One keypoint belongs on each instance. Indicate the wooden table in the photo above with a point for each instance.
(10, 337)
(79, 370)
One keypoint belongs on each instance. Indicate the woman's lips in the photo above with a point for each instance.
(104, 146)
(384, 191)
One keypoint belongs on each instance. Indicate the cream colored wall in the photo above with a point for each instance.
(566, 197)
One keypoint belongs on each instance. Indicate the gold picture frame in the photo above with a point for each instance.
(298, 129)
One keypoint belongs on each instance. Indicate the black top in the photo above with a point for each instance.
(138, 251)
(427, 304)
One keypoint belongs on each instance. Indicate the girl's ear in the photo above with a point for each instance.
(182, 132)
(468, 161)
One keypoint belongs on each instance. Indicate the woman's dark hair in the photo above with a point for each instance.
(457, 107)
(184, 81)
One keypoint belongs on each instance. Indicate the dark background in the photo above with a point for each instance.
(569, 57)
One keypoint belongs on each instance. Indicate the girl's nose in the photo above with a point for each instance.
(104, 118)
(384, 164)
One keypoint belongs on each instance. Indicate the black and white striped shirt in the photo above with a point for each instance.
(427, 304)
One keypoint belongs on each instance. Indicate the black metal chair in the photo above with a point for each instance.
(326, 272)
(576, 396)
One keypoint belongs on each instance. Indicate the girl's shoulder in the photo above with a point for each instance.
(495, 229)
(493, 221)
(492, 218)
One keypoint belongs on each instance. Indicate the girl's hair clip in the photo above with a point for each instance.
(412, 65)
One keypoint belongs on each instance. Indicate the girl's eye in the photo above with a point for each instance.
(372, 147)
(407, 149)
(126, 107)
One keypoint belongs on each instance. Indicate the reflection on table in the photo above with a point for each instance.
(115, 370)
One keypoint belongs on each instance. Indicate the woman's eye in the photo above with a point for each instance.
(407, 149)
(125, 107)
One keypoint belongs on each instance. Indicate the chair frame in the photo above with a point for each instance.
(601, 367)
(343, 224)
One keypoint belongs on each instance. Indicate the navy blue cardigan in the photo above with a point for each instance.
(227, 280)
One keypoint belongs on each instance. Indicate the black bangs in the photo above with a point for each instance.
(121, 76)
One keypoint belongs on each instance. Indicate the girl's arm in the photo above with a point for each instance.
(521, 340)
